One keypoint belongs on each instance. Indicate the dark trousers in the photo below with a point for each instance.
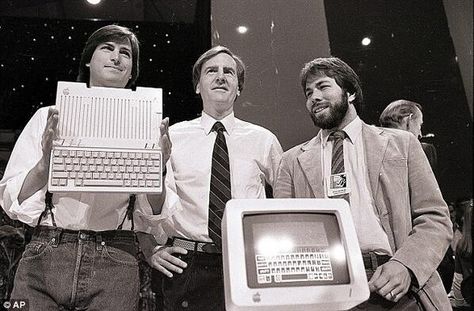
(199, 287)
(409, 302)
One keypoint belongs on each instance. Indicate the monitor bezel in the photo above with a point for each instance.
(239, 296)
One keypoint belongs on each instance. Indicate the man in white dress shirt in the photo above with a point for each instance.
(191, 260)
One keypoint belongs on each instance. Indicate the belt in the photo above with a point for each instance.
(196, 246)
(372, 260)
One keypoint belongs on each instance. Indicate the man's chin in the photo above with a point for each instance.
(323, 123)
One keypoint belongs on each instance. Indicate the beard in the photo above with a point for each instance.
(333, 118)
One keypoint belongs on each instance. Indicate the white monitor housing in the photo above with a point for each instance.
(291, 254)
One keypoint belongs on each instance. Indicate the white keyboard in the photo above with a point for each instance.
(308, 265)
(81, 169)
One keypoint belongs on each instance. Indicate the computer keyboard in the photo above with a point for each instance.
(309, 265)
(82, 169)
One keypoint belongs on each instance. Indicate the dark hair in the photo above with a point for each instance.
(210, 54)
(394, 113)
(113, 33)
(337, 69)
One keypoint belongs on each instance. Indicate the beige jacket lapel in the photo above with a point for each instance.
(375, 147)
(310, 164)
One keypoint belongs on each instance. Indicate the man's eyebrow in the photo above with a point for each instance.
(210, 67)
(322, 80)
(113, 43)
(318, 83)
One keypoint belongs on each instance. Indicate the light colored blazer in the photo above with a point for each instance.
(407, 197)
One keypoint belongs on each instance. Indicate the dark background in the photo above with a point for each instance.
(412, 57)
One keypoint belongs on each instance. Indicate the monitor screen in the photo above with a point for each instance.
(293, 249)
(291, 254)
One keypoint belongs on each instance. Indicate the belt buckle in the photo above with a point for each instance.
(210, 248)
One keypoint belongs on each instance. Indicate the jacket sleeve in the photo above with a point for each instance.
(284, 184)
(431, 228)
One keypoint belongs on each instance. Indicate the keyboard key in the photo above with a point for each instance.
(103, 183)
(60, 174)
(57, 160)
(59, 167)
(152, 176)
(153, 169)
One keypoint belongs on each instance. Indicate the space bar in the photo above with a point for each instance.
(102, 183)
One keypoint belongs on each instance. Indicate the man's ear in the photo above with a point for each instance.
(351, 97)
(198, 89)
(405, 123)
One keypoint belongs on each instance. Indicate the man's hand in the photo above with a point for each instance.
(165, 141)
(50, 133)
(38, 176)
(157, 200)
(164, 261)
(391, 280)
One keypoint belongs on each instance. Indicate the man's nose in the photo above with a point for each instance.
(115, 57)
(220, 75)
(316, 95)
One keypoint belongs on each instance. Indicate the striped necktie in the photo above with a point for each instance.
(337, 162)
(220, 184)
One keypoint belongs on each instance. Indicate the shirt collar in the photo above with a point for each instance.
(207, 122)
(353, 130)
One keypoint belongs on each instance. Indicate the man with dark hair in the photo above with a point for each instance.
(84, 253)
(214, 158)
(110, 33)
(401, 219)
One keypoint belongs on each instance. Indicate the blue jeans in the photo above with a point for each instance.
(199, 288)
(79, 270)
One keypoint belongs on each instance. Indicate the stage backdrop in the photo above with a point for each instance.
(411, 56)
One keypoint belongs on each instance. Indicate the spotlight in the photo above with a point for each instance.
(94, 2)
(242, 29)
(366, 41)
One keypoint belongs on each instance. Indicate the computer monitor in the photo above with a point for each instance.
(291, 254)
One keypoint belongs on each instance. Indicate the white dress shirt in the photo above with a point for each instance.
(370, 233)
(76, 211)
(254, 155)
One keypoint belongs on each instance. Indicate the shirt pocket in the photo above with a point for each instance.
(248, 180)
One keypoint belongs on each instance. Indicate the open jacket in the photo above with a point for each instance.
(407, 197)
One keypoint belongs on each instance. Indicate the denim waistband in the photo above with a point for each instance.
(121, 239)
(68, 235)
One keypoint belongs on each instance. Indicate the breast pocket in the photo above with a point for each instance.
(194, 172)
(248, 180)
(396, 162)
(395, 174)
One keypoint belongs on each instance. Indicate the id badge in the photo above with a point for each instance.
(337, 184)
